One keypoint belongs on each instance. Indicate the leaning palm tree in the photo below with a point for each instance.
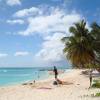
(95, 33)
(78, 47)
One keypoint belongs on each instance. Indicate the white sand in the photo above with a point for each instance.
(44, 90)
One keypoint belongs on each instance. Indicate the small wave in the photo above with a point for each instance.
(15, 75)
(5, 71)
(68, 70)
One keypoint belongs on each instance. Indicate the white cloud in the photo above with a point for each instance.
(17, 21)
(56, 21)
(13, 2)
(51, 49)
(51, 26)
(2, 55)
(27, 12)
(21, 53)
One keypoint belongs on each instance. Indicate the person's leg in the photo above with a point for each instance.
(55, 76)
(90, 81)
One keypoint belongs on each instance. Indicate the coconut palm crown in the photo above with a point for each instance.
(78, 47)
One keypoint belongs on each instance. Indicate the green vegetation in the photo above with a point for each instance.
(97, 94)
(96, 84)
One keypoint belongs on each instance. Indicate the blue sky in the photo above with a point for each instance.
(30, 30)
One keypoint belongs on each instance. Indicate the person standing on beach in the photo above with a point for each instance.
(90, 77)
(55, 72)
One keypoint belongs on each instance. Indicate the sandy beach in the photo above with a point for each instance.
(76, 88)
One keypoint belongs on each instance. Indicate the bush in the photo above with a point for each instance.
(96, 84)
(97, 94)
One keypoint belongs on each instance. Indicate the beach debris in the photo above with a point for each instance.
(24, 84)
(55, 83)
(48, 88)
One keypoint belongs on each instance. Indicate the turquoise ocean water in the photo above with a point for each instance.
(9, 76)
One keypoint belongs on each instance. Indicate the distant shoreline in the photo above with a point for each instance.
(7, 75)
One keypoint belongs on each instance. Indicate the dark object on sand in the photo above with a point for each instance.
(27, 83)
(59, 81)
(47, 88)
(24, 84)
(30, 83)
(55, 83)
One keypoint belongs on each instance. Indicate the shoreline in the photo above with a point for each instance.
(75, 89)
(50, 77)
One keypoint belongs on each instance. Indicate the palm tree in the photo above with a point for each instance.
(95, 33)
(78, 47)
